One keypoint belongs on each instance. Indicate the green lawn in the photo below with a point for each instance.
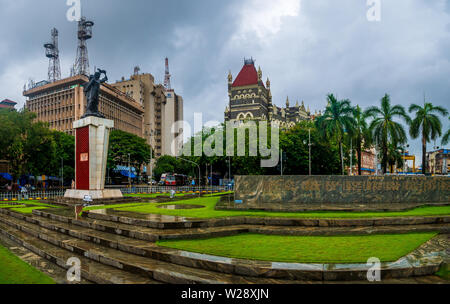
(444, 272)
(210, 212)
(306, 249)
(27, 207)
(14, 271)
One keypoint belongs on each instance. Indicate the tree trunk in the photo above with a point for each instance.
(342, 157)
(424, 155)
(385, 157)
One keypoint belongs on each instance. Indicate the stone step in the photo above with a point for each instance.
(90, 270)
(290, 271)
(153, 235)
(172, 222)
(157, 270)
(143, 233)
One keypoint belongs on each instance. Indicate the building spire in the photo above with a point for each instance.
(287, 102)
(230, 77)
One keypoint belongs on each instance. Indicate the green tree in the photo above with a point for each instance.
(324, 154)
(336, 120)
(360, 134)
(395, 157)
(385, 129)
(125, 147)
(426, 124)
(446, 137)
(65, 151)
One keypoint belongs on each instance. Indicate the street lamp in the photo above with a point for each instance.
(309, 148)
(405, 167)
(198, 166)
(129, 171)
(62, 173)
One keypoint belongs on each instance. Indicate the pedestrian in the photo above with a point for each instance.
(73, 184)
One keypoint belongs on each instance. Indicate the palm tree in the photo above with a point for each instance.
(360, 133)
(446, 137)
(427, 124)
(395, 157)
(384, 129)
(336, 120)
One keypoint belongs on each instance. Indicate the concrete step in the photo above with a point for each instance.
(145, 267)
(142, 233)
(126, 249)
(90, 270)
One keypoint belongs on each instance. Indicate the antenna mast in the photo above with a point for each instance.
(167, 76)
(81, 66)
(52, 53)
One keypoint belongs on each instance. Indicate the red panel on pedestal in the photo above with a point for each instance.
(82, 158)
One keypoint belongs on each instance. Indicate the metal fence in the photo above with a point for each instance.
(12, 196)
(9, 196)
(167, 189)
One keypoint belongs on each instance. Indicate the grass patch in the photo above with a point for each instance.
(15, 271)
(306, 249)
(444, 272)
(210, 202)
(27, 207)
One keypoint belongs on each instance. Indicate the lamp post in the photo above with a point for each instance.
(310, 171)
(281, 155)
(62, 173)
(198, 166)
(129, 171)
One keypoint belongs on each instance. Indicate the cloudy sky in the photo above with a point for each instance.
(307, 48)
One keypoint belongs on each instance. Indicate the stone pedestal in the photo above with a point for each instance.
(91, 153)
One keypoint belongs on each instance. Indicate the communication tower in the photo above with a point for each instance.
(81, 66)
(52, 53)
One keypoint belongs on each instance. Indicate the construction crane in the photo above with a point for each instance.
(52, 53)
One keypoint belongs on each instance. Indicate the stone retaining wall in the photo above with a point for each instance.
(286, 191)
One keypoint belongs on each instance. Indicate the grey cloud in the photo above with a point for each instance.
(329, 47)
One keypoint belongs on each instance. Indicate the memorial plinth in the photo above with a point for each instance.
(91, 154)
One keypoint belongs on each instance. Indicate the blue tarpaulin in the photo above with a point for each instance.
(126, 173)
(6, 176)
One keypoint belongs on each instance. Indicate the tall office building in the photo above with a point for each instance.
(162, 108)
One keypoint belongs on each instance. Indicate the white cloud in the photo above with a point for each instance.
(264, 18)
(187, 37)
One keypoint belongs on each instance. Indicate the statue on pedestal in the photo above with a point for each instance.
(92, 90)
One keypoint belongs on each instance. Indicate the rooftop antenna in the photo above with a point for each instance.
(167, 76)
(81, 66)
(52, 53)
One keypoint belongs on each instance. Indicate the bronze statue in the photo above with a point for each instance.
(92, 90)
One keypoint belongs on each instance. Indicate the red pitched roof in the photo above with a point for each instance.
(8, 102)
(247, 76)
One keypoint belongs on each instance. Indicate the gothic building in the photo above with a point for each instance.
(251, 99)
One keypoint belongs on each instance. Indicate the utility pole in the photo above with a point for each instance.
(281, 156)
(129, 171)
(351, 157)
(199, 170)
(229, 169)
(376, 156)
(62, 173)
(310, 171)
